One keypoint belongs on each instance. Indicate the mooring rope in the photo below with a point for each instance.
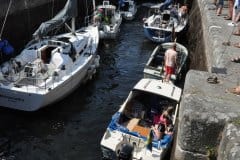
(5, 19)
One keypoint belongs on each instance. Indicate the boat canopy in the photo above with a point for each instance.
(160, 88)
(69, 11)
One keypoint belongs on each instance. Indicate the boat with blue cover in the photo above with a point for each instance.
(162, 25)
(129, 133)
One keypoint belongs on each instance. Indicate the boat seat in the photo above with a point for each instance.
(132, 123)
(144, 131)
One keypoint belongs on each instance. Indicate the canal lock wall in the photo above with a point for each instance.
(209, 117)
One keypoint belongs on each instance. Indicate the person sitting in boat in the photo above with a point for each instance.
(167, 137)
(158, 131)
(170, 62)
(165, 117)
(98, 16)
(163, 122)
(106, 19)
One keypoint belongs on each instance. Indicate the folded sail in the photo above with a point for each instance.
(69, 11)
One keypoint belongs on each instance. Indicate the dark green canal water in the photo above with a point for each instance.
(72, 128)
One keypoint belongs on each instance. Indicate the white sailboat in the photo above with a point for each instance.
(50, 68)
(126, 136)
(110, 22)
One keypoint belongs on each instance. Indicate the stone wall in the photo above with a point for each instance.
(195, 39)
(209, 117)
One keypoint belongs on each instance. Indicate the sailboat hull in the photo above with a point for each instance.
(30, 101)
(31, 93)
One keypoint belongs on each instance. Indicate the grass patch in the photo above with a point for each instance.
(211, 153)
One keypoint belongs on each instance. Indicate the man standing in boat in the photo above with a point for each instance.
(170, 62)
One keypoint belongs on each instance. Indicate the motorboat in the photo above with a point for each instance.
(154, 67)
(162, 25)
(50, 67)
(127, 135)
(128, 9)
(111, 19)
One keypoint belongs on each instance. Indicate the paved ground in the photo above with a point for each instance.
(216, 32)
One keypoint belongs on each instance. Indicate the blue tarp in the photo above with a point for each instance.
(114, 125)
(6, 48)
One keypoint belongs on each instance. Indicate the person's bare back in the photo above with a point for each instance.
(170, 55)
(170, 62)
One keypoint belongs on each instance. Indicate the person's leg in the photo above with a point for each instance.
(237, 15)
(238, 89)
(230, 9)
(233, 23)
(235, 90)
(168, 77)
(169, 72)
(220, 7)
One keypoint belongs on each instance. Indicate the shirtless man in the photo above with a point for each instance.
(170, 62)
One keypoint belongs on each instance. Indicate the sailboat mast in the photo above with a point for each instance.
(94, 5)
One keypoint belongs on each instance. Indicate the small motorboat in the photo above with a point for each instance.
(162, 26)
(128, 133)
(110, 21)
(155, 65)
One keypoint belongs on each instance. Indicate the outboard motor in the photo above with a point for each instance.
(125, 152)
